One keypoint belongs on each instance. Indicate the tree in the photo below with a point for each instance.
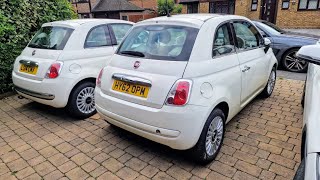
(20, 19)
(168, 5)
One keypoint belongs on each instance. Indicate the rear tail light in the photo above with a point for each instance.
(179, 93)
(98, 81)
(54, 70)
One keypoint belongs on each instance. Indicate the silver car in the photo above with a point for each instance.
(310, 146)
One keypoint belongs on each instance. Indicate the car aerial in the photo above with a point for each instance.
(310, 147)
(285, 45)
(61, 62)
(178, 80)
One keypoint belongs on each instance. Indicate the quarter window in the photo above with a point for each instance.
(223, 42)
(120, 30)
(98, 37)
(247, 35)
(309, 4)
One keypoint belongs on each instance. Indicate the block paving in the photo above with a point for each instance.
(40, 142)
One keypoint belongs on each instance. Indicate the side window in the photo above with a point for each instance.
(120, 30)
(247, 35)
(98, 37)
(223, 42)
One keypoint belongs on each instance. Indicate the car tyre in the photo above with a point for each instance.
(291, 63)
(267, 91)
(81, 102)
(300, 171)
(211, 138)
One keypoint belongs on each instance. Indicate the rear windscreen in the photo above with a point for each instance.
(51, 37)
(160, 42)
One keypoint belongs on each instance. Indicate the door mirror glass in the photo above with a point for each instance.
(310, 54)
(267, 42)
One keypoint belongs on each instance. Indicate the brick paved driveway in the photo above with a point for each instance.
(39, 142)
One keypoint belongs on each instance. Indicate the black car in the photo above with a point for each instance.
(285, 45)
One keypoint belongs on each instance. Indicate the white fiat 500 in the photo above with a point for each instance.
(60, 64)
(178, 80)
(309, 168)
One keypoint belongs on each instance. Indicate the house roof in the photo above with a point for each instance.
(115, 5)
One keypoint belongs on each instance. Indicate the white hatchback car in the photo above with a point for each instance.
(310, 146)
(177, 80)
(60, 64)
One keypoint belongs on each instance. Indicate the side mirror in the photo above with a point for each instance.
(267, 44)
(310, 53)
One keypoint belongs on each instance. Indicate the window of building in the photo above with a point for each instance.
(192, 8)
(124, 18)
(285, 4)
(254, 5)
(97, 37)
(223, 43)
(224, 7)
(309, 4)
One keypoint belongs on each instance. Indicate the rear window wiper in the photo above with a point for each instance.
(133, 53)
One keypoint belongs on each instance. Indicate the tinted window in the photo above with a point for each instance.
(98, 37)
(51, 37)
(161, 42)
(223, 43)
(120, 30)
(247, 35)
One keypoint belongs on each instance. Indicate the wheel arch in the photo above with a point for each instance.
(224, 107)
(286, 51)
(88, 79)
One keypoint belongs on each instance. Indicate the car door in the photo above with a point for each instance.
(252, 58)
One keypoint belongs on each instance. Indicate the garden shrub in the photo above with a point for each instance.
(19, 21)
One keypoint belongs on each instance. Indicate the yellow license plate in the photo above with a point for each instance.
(133, 89)
(28, 69)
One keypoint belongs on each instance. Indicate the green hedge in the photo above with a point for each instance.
(19, 20)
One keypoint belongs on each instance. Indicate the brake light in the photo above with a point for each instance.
(98, 81)
(54, 70)
(180, 92)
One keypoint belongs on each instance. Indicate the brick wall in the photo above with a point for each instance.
(292, 18)
(204, 7)
(83, 8)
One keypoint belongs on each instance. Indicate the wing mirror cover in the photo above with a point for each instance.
(310, 53)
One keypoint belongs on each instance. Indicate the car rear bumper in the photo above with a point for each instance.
(176, 127)
(52, 92)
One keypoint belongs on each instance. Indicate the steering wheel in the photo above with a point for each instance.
(227, 49)
(241, 42)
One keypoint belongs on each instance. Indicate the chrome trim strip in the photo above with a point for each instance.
(34, 94)
(132, 79)
(28, 63)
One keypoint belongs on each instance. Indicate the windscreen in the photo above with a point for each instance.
(51, 37)
(160, 42)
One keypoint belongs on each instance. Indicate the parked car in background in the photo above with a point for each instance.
(310, 146)
(178, 80)
(286, 44)
(60, 64)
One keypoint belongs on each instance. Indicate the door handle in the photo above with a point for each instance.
(246, 68)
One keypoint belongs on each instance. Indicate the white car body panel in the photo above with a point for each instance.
(214, 80)
(79, 63)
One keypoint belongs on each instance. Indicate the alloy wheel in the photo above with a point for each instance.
(85, 100)
(271, 82)
(214, 135)
(293, 64)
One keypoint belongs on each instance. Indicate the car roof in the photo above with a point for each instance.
(74, 23)
(195, 20)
